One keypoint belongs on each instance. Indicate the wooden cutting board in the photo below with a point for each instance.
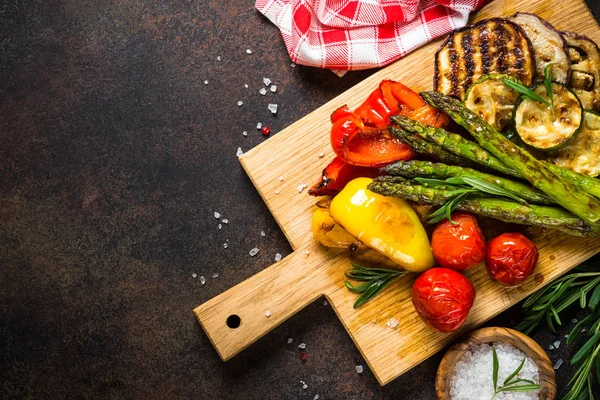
(267, 299)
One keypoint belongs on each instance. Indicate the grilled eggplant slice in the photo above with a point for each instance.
(585, 69)
(583, 153)
(548, 45)
(540, 127)
(489, 46)
(492, 100)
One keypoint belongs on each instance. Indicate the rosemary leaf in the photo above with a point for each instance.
(490, 188)
(523, 388)
(515, 372)
(495, 367)
(548, 85)
(525, 91)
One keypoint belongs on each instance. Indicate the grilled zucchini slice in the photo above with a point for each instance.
(583, 153)
(548, 45)
(542, 129)
(585, 69)
(492, 100)
(492, 46)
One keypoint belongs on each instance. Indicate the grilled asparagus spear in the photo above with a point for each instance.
(504, 210)
(566, 194)
(452, 143)
(422, 146)
(426, 169)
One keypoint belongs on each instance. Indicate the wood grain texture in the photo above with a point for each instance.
(288, 286)
(492, 335)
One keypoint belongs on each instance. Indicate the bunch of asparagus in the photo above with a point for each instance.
(537, 192)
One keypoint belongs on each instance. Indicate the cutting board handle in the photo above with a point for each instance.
(238, 317)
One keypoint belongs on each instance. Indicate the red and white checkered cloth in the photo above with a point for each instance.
(361, 34)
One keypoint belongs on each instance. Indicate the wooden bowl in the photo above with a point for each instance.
(496, 334)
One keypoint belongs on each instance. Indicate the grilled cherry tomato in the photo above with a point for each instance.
(361, 138)
(459, 246)
(337, 174)
(511, 258)
(443, 298)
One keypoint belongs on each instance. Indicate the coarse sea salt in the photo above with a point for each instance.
(262, 91)
(273, 88)
(266, 81)
(472, 377)
(277, 257)
(254, 251)
(239, 152)
(273, 108)
(217, 215)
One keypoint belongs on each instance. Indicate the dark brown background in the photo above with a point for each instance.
(113, 157)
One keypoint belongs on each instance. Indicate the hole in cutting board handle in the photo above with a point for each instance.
(233, 321)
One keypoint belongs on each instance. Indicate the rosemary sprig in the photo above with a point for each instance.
(510, 383)
(583, 288)
(465, 185)
(376, 279)
(525, 91)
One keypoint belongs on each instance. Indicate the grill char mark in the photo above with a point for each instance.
(469, 64)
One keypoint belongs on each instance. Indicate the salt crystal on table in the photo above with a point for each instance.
(290, 340)
(202, 280)
(558, 363)
(225, 221)
(262, 91)
(248, 51)
(263, 234)
(317, 397)
(268, 313)
(307, 252)
(301, 187)
(259, 125)
(302, 346)
(266, 81)
(276, 191)
(217, 215)
(273, 108)
(392, 323)
(218, 58)
(194, 275)
(293, 65)
(225, 245)
(220, 226)
(246, 86)
(281, 178)
(324, 302)
(556, 344)
(305, 386)
(245, 133)
(273, 88)
(321, 155)
(215, 275)
(551, 347)
(206, 82)
(359, 369)
(240, 103)
(239, 152)
(277, 257)
(254, 251)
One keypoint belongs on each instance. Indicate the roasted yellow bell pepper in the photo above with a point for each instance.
(387, 224)
(328, 232)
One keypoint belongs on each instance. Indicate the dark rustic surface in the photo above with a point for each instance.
(114, 156)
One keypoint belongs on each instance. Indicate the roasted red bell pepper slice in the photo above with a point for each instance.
(373, 147)
(375, 110)
(341, 112)
(337, 174)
